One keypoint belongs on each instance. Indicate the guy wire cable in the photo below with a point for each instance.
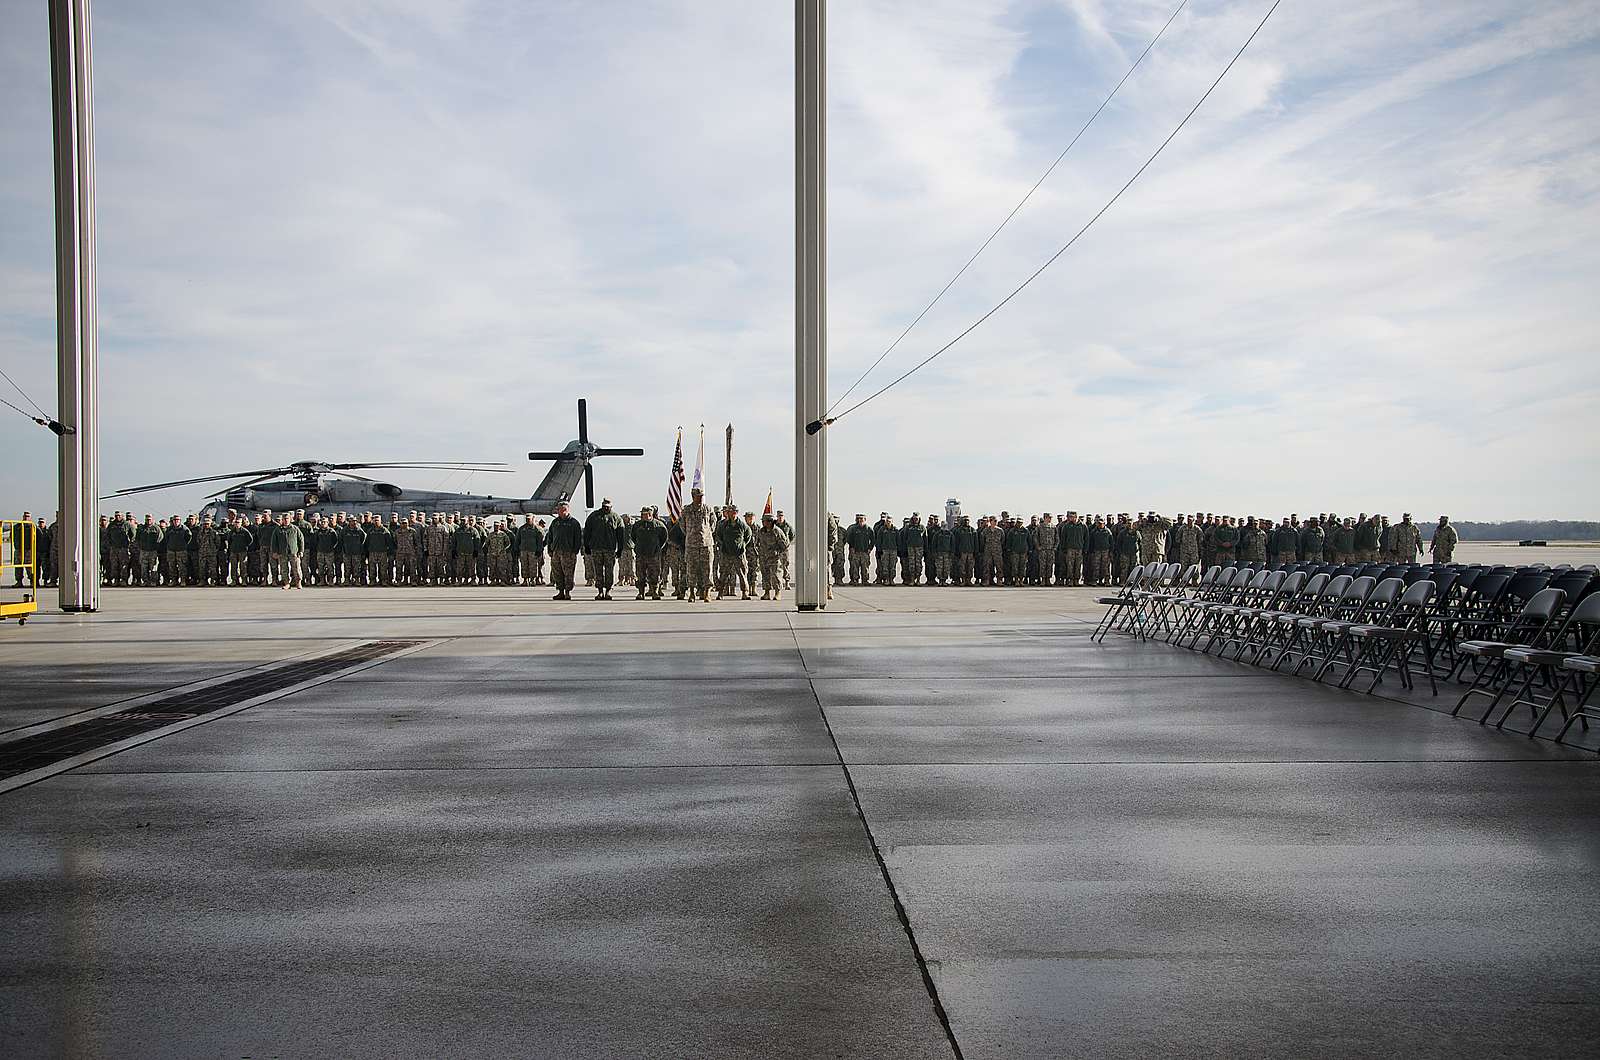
(24, 394)
(816, 425)
(1015, 209)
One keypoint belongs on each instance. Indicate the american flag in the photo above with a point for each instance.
(675, 481)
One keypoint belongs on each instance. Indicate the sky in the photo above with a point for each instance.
(1361, 279)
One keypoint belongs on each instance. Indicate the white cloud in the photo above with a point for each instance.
(417, 230)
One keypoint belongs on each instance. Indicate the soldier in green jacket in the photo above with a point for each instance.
(732, 537)
(380, 546)
(1017, 544)
(1311, 541)
(1367, 540)
(859, 537)
(886, 539)
(913, 546)
(602, 537)
(530, 551)
(941, 551)
(288, 545)
(464, 549)
(1226, 536)
(649, 545)
(120, 535)
(353, 551)
(1098, 544)
(176, 542)
(964, 539)
(565, 541)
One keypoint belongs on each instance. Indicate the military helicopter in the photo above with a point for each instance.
(329, 488)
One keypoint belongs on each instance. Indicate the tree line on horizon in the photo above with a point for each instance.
(1530, 530)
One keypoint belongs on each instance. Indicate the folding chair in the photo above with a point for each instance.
(1377, 645)
(1377, 609)
(1220, 617)
(1297, 628)
(1224, 593)
(1115, 605)
(1582, 627)
(1281, 630)
(1250, 622)
(1586, 669)
(1533, 627)
(1213, 590)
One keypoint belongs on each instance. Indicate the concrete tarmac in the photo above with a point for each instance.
(924, 820)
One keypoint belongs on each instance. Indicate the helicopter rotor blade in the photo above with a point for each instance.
(246, 484)
(588, 485)
(583, 422)
(619, 452)
(493, 466)
(264, 473)
(552, 456)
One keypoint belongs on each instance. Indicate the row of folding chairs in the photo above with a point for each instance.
(1525, 637)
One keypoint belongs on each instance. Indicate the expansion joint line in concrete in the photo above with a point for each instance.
(883, 866)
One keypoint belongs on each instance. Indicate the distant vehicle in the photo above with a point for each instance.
(329, 488)
(1533, 544)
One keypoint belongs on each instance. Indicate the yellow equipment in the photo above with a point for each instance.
(18, 552)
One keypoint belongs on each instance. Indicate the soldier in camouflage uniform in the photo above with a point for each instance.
(859, 538)
(1071, 537)
(752, 561)
(435, 542)
(1188, 535)
(625, 552)
(838, 551)
(464, 549)
(649, 536)
(1366, 539)
(1151, 530)
(406, 545)
(696, 520)
(913, 547)
(1445, 539)
(676, 561)
(991, 550)
(327, 536)
(1098, 544)
(530, 552)
(1045, 536)
(1253, 542)
(732, 539)
(1407, 540)
(1311, 541)
(602, 532)
(176, 540)
(769, 545)
(941, 551)
(564, 539)
(121, 538)
(886, 540)
(497, 548)
(964, 539)
(782, 526)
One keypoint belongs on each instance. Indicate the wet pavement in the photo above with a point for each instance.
(635, 829)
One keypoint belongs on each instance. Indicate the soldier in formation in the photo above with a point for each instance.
(291, 549)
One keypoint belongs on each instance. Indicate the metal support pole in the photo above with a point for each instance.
(77, 539)
(810, 303)
(727, 484)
